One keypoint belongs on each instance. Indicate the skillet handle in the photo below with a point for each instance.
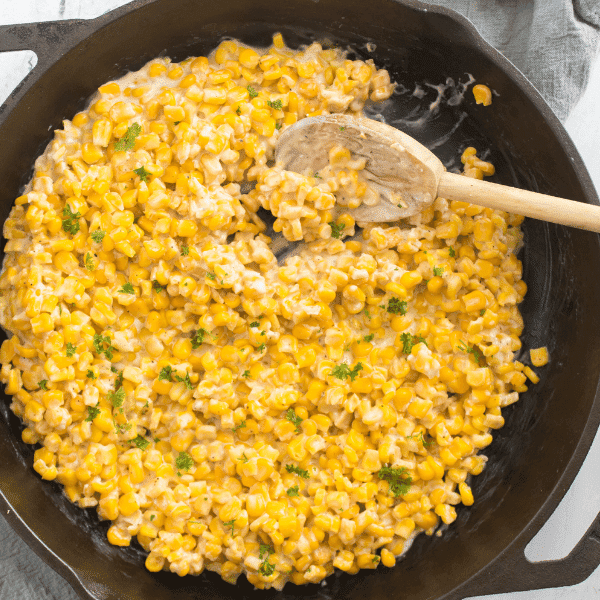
(48, 40)
(514, 573)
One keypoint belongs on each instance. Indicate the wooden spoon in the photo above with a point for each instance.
(409, 177)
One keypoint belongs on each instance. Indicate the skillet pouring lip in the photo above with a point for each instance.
(94, 590)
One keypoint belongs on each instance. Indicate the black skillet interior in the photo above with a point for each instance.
(562, 269)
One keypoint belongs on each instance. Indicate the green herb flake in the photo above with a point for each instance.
(367, 313)
(117, 397)
(396, 306)
(141, 442)
(437, 271)
(376, 559)
(336, 230)
(152, 517)
(297, 470)
(266, 568)
(398, 479)
(240, 426)
(343, 371)
(451, 252)
(185, 380)
(255, 324)
(246, 373)
(98, 235)
(277, 125)
(71, 349)
(211, 276)
(127, 142)
(275, 104)
(261, 348)
(198, 337)
(43, 384)
(90, 374)
(166, 373)
(419, 438)
(293, 491)
(93, 412)
(185, 250)
(127, 288)
(409, 341)
(157, 287)
(89, 262)
(184, 461)
(251, 91)
(317, 176)
(142, 173)
(230, 524)
(477, 355)
(292, 417)
(70, 222)
(342, 128)
(482, 312)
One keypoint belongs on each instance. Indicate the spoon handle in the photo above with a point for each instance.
(520, 202)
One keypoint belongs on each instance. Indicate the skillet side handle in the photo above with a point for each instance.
(514, 573)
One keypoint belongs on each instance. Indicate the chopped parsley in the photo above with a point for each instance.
(409, 341)
(275, 104)
(90, 374)
(437, 271)
(396, 306)
(126, 288)
(142, 173)
(122, 428)
(211, 276)
(293, 491)
(367, 313)
(317, 176)
(166, 373)
(127, 142)
(98, 235)
(157, 287)
(369, 338)
(266, 568)
(184, 461)
(238, 110)
(343, 371)
(421, 439)
(185, 250)
(398, 479)
(186, 380)
(342, 128)
(117, 397)
(376, 559)
(336, 230)
(70, 222)
(451, 252)
(300, 472)
(261, 348)
(230, 524)
(71, 349)
(482, 312)
(246, 373)
(255, 324)
(277, 125)
(240, 426)
(119, 380)
(251, 91)
(198, 337)
(477, 355)
(89, 262)
(141, 442)
(292, 417)
(152, 517)
(93, 412)
(43, 384)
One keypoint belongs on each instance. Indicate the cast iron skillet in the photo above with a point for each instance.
(533, 459)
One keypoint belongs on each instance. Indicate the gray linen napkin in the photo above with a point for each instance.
(553, 42)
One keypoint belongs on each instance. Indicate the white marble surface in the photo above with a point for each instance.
(582, 502)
